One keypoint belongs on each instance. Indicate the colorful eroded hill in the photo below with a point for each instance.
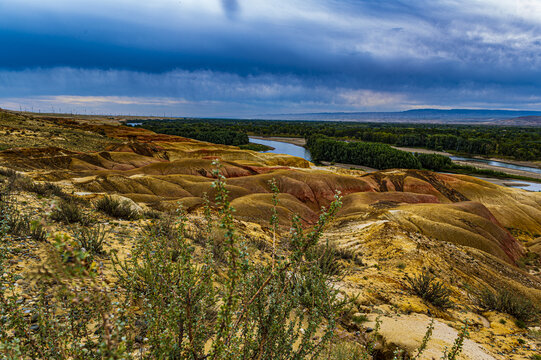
(468, 231)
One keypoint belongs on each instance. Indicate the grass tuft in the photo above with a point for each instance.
(69, 212)
(117, 208)
(92, 239)
(428, 288)
(508, 302)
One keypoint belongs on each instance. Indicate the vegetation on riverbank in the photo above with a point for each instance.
(256, 147)
(210, 131)
(376, 151)
(381, 156)
(519, 143)
(378, 156)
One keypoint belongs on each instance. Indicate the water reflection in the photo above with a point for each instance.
(284, 148)
(524, 185)
(498, 163)
(299, 151)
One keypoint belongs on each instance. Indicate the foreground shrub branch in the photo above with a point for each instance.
(253, 310)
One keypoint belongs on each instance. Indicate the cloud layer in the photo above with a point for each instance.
(235, 57)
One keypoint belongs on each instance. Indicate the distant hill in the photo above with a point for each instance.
(452, 116)
(521, 121)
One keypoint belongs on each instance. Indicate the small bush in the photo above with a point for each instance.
(164, 227)
(22, 225)
(349, 255)
(92, 239)
(344, 350)
(75, 259)
(69, 212)
(117, 208)
(530, 259)
(152, 214)
(9, 173)
(427, 287)
(327, 259)
(43, 189)
(19, 182)
(359, 319)
(507, 302)
(37, 232)
(19, 224)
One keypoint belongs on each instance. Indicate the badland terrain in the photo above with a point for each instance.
(398, 234)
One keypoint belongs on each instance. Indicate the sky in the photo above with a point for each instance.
(244, 58)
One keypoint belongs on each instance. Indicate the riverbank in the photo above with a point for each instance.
(512, 172)
(532, 164)
(288, 140)
(508, 171)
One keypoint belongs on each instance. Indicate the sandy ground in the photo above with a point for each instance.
(422, 151)
(501, 169)
(289, 140)
(302, 142)
(350, 166)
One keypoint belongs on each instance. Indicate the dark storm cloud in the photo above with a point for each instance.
(414, 53)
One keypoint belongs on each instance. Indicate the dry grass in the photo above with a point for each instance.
(28, 131)
(508, 302)
(69, 212)
(427, 287)
(117, 208)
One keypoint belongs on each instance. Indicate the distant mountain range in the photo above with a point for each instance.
(453, 116)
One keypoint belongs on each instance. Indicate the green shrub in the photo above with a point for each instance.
(92, 239)
(458, 345)
(256, 309)
(152, 214)
(187, 306)
(120, 209)
(427, 287)
(344, 350)
(326, 258)
(18, 224)
(69, 212)
(76, 259)
(508, 302)
(23, 225)
(162, 227)
(37, 232)
(359, 319)
(43, 189)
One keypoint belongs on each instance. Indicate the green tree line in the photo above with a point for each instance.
(379, 156)
(199, 130)
(520, 143)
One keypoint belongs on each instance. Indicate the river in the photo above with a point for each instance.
(284, 148)
(498, 163)
(299, 151)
